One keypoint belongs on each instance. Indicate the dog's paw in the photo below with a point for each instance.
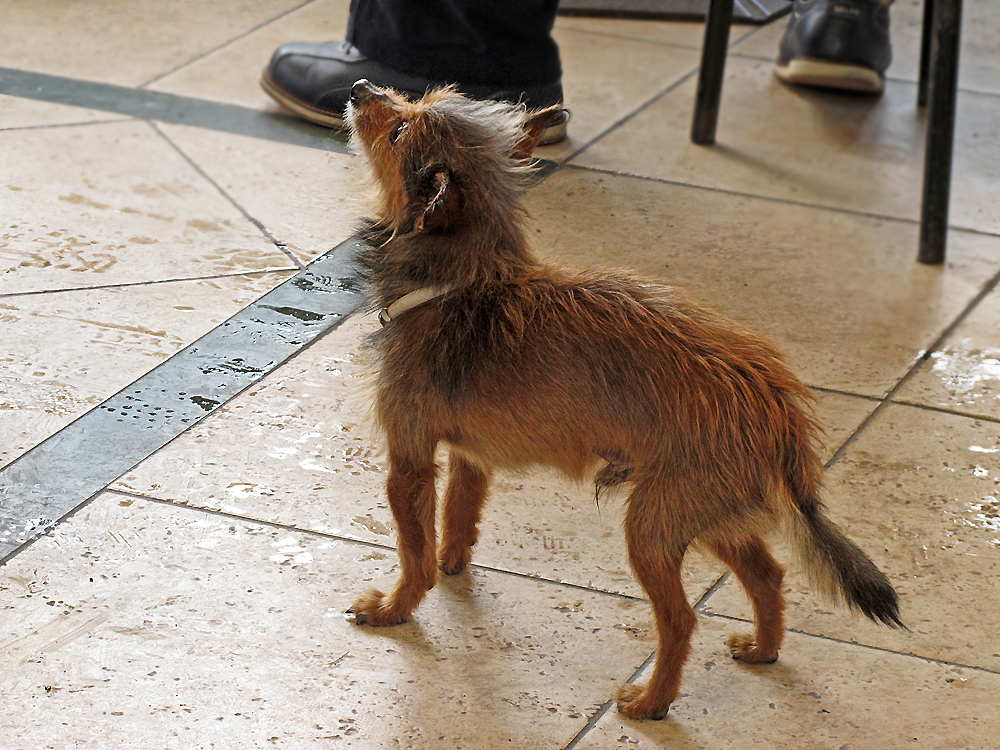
(455, 559)
(743, 647)
(635, 702)
(376, 609)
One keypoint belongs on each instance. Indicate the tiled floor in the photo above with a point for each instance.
(196, 601)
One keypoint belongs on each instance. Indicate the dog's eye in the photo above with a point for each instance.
(396, 132)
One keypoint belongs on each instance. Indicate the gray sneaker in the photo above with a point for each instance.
(841, 44)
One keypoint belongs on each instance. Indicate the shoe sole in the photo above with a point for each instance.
(555, 133)
(808, 72)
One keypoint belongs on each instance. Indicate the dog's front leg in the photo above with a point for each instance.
(463, 504)
(412, 499)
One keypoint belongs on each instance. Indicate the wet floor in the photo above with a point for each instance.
(183, 427)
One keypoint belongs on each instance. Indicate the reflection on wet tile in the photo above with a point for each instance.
(65, 352)
(123, 43)
(919, 492)
(965, 374)
(113, 204)
(135, 622)
(812, 146)
(840, 294)
(819, 694)
(231, 74)
(606, 78)
(308, 199)
(28, 113)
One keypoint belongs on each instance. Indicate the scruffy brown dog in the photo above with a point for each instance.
(512, 363)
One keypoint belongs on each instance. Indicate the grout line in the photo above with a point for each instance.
(719, 583)
(222, 46)
(372, 545)
(888, 399)
(770, 198)
(152, 282)
(695, 26)
(838, 392)
(625, 38)
(82, 123)
(945, 410)
(606, 706)
(867, 646)
(275, 241)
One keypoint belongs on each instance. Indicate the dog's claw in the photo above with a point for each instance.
(358, 618)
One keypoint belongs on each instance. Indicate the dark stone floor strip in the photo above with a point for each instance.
(170, 108)
(57, 476)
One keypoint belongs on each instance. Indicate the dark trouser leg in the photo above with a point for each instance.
(506, 44)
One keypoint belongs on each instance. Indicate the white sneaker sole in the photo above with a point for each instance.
(808, 72)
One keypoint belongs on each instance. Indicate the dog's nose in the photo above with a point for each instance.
(360, 91)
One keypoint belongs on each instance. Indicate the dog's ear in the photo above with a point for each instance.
(534, 125)
(441, 203)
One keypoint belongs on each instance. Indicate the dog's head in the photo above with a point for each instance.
(443, 157)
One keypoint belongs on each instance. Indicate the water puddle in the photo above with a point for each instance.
(967, 371)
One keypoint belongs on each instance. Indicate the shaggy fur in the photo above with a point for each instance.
(524, 364)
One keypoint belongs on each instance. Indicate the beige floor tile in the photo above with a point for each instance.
(677, 33)
(820, 694)
(918, 491)
(16, 112)
(812, 146)
(114, 204)
(842, 295)
(232, 74)
(309, 200)
(839, 416)
(142, 625)
(605, 79)
(979, 69)
(121, 42)
(65, 352)
(965, 374)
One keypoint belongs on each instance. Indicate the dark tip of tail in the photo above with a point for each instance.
(865, 587)
(875, 598)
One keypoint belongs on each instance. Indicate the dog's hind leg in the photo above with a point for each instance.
(412, 499)
(761, 576)
(656, 558)
(463, 503)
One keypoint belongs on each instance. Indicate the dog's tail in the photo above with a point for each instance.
(835, 564)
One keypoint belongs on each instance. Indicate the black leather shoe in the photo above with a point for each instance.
(841, 44)
(314, 81)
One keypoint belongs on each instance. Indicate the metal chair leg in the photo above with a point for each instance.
(925, 53)
(713, 67)
(940, 130)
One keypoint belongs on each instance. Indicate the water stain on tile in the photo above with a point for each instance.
(204, 226)
(373, 525)
(79, 200)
